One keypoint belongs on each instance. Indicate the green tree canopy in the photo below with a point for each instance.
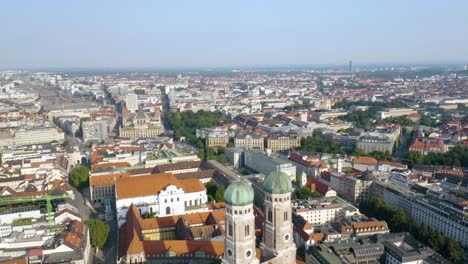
(456, 156)
(79, 176)
(219, 195)
(398, 221)
(186, 123)
(99, 232)
(304, 193)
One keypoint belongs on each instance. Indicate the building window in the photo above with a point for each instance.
(168, 210)
(247, 230)
(285, 216)
(270, 215)
(230, 229)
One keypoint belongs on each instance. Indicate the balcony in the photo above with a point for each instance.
(195, 207)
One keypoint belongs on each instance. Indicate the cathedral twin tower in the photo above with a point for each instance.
(277, 244)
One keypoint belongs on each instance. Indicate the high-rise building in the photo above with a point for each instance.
(350, 67)
(131, 101)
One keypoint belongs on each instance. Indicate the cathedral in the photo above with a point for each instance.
(277, 244)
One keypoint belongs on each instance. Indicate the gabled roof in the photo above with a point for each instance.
(318, 186)
(146, 185)
(66, 210)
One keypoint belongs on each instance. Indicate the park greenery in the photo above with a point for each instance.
(215, 193)
(317, 143)
(99, 232)
(79, 176)
(364, 119)
(398, 221)
(186, 123)
(210, 153)
(456, 156)
(304, 193)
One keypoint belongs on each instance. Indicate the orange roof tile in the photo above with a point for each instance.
(106, 179)
(152, 184)
(15, 261)
(366, 160)
(192, 185)
(110, 165)
(368, 224)
(180, 247)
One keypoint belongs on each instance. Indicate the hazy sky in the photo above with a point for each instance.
(40, 33)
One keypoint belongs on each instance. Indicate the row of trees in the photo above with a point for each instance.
(456, 156)
(186, 123)
(398, 221)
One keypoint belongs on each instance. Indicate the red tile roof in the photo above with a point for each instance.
(317, 186)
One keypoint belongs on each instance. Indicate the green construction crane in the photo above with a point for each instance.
(47, 198)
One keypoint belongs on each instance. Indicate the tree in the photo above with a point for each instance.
(398, 221)
(146, 215)
(201, 154)
(99, 232)
(219, 195)
(304, 193)
(79, 176)
(455, 251)
(211, 188)
(358, 152)
(415, 157)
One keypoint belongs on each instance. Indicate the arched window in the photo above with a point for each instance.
(230, 229)
(168, 210)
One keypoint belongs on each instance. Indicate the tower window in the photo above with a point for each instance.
(230, 229)
(285, 216)
(247, 230)
(270, 215)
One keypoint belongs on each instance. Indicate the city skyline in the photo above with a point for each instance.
(242, 34)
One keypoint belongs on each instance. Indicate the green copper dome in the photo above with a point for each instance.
(277, 183)
(239, 194)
